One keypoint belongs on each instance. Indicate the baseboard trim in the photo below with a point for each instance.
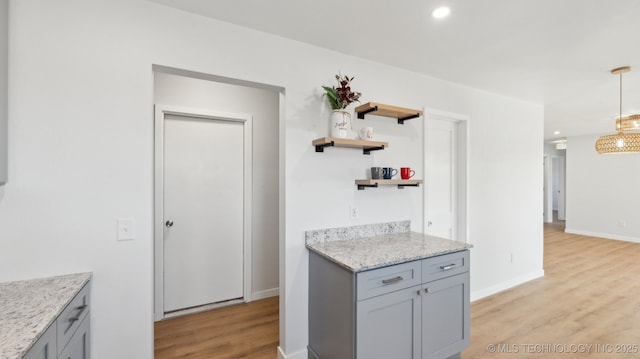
(201, 308)
(602, 235)
(274, 292)
(297, 355)
(479, 294)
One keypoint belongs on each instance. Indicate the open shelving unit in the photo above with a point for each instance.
(400, 113)
(366, 146)
(362, 184)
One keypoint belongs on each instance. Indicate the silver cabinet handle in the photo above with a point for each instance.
(169, 223)
(419, 292)
(426, 290)
(448, 266)
(392, 280)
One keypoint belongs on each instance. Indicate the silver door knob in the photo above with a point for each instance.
(169, 223)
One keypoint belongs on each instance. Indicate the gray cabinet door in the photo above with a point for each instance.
(388, 326)
(445, 316)
(78, 347)
(45, 347)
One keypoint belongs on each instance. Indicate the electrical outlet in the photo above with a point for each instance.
(354, 213)
(622, 223)
(126, 229)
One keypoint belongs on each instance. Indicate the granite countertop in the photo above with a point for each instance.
(28, 307)
(386, 244)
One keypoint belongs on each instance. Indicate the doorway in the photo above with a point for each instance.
(230, 102)
(445, 196)
(203, 202)
(554, 189)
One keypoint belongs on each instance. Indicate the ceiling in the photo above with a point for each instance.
(555, 52)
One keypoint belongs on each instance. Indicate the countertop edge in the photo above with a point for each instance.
(389, 263)
(85, 278)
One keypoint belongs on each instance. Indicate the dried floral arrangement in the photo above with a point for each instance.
(340, 97)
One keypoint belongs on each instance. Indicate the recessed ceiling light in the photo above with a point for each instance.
(556, 132)
(441, 12)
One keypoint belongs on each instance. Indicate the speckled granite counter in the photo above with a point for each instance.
(28, 307)
(360, 248)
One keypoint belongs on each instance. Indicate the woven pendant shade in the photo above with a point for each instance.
(621, 142)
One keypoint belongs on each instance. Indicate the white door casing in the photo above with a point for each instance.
(224, 184)
(445, 194)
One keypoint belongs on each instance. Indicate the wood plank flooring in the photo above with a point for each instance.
(589, 300)
(247, 330)
(590, 295)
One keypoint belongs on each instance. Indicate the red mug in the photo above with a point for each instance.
(406, 172)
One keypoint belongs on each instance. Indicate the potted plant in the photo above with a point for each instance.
(339, 98)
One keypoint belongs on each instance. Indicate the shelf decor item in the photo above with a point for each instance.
(339, 98)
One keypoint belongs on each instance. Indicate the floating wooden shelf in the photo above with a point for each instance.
(366, 146)
(378, 109)
(362, 184)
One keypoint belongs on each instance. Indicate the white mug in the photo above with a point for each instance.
(366, 133)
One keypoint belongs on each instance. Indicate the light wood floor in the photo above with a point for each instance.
(238, 331)
(590, 295)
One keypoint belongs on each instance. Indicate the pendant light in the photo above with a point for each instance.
(621, 142)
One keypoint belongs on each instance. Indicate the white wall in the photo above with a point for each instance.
(4, 57)
(262, 105)
(81, 155)
(602, 191)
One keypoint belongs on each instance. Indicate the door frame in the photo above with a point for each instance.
(158, 270)
(547, 211)
(550, 189)
(462, 170)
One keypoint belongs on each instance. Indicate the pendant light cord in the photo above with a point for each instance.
(620, 118)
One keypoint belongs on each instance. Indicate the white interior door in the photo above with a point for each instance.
(441, 176)
(203, 205)
(548, 189)
(561, 188)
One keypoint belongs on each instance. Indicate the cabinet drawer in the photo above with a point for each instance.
(445, 266)
(387, 279)
(71, 317)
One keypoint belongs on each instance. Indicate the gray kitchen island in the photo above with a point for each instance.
(382, 291)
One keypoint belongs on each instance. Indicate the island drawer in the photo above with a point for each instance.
(444, 266)
(71, 317)
(387, 279)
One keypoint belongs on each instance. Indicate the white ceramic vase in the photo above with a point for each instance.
(340, 123)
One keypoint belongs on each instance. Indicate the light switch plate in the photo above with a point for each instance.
(126, 229)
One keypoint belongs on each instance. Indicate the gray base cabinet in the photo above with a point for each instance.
(413, 310)
(68, 336)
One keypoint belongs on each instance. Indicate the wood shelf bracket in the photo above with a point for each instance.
(320, 148)
(401, 120)
(367, 150)
(402, 186)
(361, 187)
(362, 113)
